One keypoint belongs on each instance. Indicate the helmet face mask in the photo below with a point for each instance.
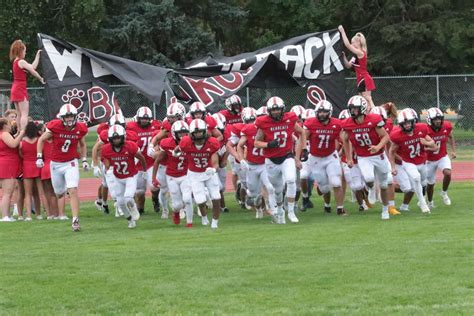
(198, 130)
(407, 126)
(144, 121)
(116, 135)
(69, 120)
(198, 134)
(437, 122)
(355, 111)
(323, 115)
(198, 115)
(276, 113)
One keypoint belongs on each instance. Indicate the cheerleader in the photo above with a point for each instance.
(31, 173)
(19, 94)
(358, 46)
(8, 157)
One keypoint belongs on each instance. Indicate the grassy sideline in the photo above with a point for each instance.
(325, 264)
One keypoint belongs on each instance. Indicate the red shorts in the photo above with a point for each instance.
(10, 169)
(30, 171)
(46, 171)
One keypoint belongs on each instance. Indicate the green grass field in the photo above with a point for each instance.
(412, 264)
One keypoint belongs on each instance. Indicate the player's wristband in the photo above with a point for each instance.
(84, 159)
(39, 155)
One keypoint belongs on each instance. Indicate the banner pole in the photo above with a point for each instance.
(248, 97)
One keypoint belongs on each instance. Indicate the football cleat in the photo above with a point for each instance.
(341, 212)
(132, 224)
(445, 197)
(392, 210)
(385, 215)
(372, 196)
(176, 218)
(292, 217)
(75, 225)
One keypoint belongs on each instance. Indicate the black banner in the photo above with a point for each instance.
(78, 75)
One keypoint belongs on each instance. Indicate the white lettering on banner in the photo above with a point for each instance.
(98, 70)
(308, 55)
(61, 62)
(301, 55)
(330, 55)
(297, 58)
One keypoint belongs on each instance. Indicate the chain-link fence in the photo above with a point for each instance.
(454, 94)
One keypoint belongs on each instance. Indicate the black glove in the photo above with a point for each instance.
(273, 144)
(304, 155)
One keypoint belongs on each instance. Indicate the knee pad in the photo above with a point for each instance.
(324, 188)
(291, 189)
(335, 182)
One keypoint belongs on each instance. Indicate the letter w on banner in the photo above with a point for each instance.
(79, 76)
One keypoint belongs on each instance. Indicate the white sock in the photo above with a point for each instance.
(391, 203)
(189, 213)
(385, 208)
(327, 205)
(305, 195)
(291, 207)
(215, 222)
(100, 201)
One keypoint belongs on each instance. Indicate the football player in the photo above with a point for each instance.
(67, 134)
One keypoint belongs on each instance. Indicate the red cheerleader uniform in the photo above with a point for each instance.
(30, 171)
(18, 92)
(10, 165)
(47, 153)
(364, 79)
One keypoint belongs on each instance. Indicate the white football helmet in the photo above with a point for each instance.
(298, 110)
(198, 126)
(179, 127)
(117, 119)
(323, 106)
(197, 107)
(175, 111)
(220, 117)
(249, 115)
(344, 114)
(380, 111)
(144, 116)
(68, 110)
(434, 113)
(114, 132)
(234, 104)
(357, 102)
(308, 113)
(406, 116)
(262, 111)
(275, 103)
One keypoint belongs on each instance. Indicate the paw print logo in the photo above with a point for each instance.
(74, 97)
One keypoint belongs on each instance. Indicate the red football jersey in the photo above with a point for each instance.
(102, 127)
(254, 154)
(441, 139)
(364, 135)
(122, 162)
(199, 159)
(322, 138)
(210, 121)
(145, 136)
(175, 166)
(65, 141)
(166, 125)
(410, 148)
(129, 135)
(282, 130)
(388, 125)
(231, 118)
